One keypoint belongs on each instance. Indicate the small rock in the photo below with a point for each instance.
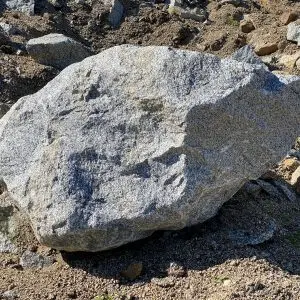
(218, 44)
(56, 50)
(288, 17)
(34, 260)
(289, 61)
(176, 270)
(164, 282)
(293, 32)
(246, 26)
(195, 13)
(133, 271)
(265, 48)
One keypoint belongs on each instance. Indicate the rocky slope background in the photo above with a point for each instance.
(250, 250)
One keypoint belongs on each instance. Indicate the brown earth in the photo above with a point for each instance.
(250, 250)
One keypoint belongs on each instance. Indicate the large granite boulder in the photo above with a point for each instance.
(56, 50)
(136, 139)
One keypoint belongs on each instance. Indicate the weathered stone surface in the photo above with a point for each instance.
(56, 50)
(135, 140)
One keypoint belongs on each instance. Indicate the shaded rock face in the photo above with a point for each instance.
(135, 139)
(56, 50)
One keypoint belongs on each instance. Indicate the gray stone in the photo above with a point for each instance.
(178, 7)
(31, 259)
(56, 50)
(24, 6)
(293, 32)
(138, 139)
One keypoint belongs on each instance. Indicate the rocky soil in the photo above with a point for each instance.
(250, 250)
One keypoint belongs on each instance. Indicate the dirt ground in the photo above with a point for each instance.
(250, 250)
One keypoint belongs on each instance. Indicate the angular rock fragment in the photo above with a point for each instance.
(136, 139)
